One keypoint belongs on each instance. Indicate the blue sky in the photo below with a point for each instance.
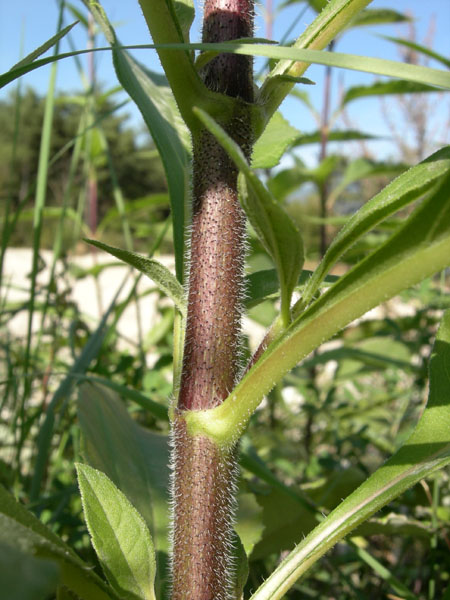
(30, 23)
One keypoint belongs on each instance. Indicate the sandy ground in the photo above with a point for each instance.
(91, 298)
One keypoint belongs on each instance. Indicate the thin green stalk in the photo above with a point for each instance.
(41, 192)
(58, 241)
(120, 203)
(331, 21)
(62, 394)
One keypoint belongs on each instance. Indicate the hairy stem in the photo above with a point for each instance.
(203, 475)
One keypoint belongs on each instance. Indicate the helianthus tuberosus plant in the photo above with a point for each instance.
(208, 122)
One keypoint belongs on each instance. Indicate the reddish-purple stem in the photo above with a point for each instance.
(203, 475)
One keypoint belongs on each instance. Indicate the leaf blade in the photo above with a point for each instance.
(119, 535)
(21, 529)
(427, 450)
(153, 269)
(418, 249)
(276, 138)
(30, 58)
(162, 117)
(399, 193)
(384, 88)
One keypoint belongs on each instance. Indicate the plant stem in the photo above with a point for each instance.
(203, 474)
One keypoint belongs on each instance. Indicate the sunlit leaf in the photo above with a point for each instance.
(119, 535)
(383, 88)
(418, 249)
(419, 48)
(399, 193)
(379, 16)
(248, 525)
(362, 168)
(185, 12)
(136, 460)
(153, 269)
(276, 138)
(427, 450)
(348, 135)
(161, 115)
(45, 46)
(277, 232)
(265, 284)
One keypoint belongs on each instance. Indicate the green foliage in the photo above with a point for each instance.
(315, 421)
(273, 143)
(276, 230)
(119, 535)
(134, 175)
(24, 576)
(153, 269)
(426, 450)
(23, 530)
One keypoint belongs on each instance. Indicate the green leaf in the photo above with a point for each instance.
(366, 64)
(277, 232)
(136, 460)
(418, 249)
(286, 522)
(419, 48)
(21, 530)
(241, 570)
(379, 353)
(155, 408)
(261, 285)
(316, 5)
(264, 284)
(119, 535)
(384, 88)
(206, 57)
(427, 450)
(304, 98)
(287, 181)
(362, 168)
(399, 193)
(348, 135)
(185, 12)
(274, 227)
(25, 577)
(395, 524)
(378, 16)
(45, 46)
(170, 134)
(153, 269)
(77, 14)
(248, 525)
(273, 143)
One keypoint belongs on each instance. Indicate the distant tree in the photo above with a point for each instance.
(138, 172)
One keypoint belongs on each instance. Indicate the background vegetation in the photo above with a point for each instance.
(318, 435)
